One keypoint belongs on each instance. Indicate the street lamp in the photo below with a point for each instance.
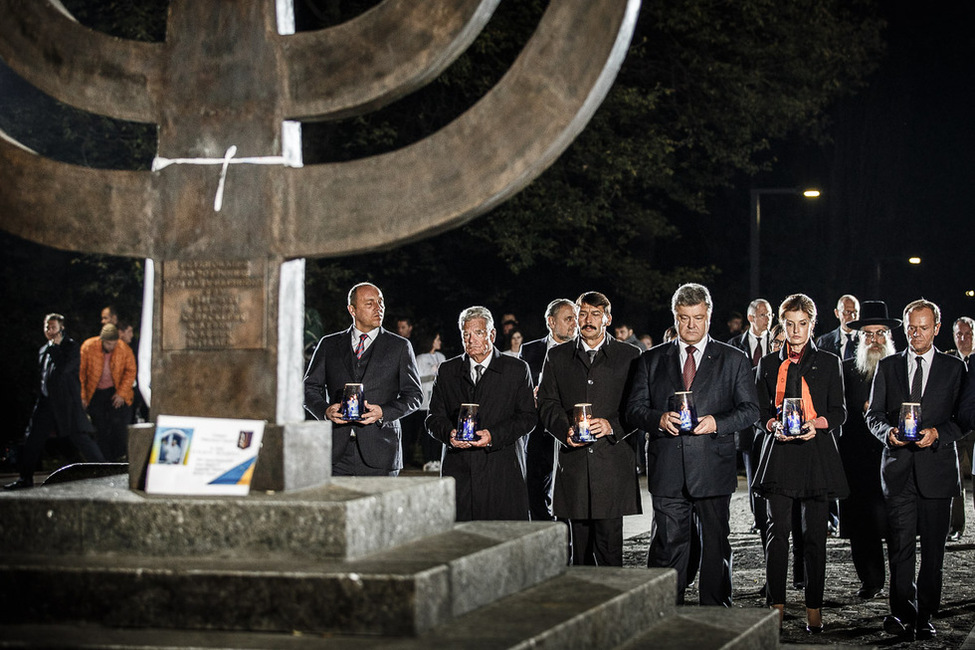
(755, 230)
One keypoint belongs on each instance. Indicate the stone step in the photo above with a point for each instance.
(342, 519)
(400, 591)
(584, 607)
(712, 628)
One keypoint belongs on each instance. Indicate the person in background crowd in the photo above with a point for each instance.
(107, 377)
(515, 340)
(962, 333)
(842, 341)
(428, 362)
(646, 341)
(625, 333)
(58, 411)
(561, 321)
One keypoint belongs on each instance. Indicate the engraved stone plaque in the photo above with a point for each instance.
(214, 305)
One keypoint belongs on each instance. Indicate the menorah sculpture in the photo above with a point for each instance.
(228, 204)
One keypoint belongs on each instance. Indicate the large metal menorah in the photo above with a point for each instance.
(227, 203)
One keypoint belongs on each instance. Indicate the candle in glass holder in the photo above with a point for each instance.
(792, 416)
(352, 402)
(910, 422)
(582, 423)
(467, 423)
(684, 405)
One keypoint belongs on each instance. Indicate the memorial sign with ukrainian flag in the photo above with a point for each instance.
(203, 456)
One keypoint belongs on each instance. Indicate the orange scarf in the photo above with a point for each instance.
(808, 410)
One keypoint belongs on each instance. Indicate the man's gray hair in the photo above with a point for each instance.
(753, 305)
(964, 319)
(921, 303)
(556, 305)
(846, 296)
(475, 312)
(689, 295)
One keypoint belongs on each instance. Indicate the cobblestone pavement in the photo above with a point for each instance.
(849, 620)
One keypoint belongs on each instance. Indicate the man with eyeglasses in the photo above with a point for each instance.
(919, 477)
(862, 515)
(842, 341)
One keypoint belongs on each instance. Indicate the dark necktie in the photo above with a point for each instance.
(45, 369)
(690, 368)
(757, 354)
(916, 382)
(361, 347)
(478, 371)
(848, 351)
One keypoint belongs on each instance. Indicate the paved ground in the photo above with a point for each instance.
(849, 620)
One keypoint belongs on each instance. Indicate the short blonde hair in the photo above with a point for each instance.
(798, 302)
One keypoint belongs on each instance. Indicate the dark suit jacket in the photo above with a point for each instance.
(64, 387)
(598, 481)
(507, 409)
(831, 341)
(723, 387)
(935, 468)
(533, 353)
(390, 380)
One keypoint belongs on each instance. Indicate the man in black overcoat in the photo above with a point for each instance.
(862, 515)
(58, 412)
(487, 471)
(693, 472)
(384, 364)
(595, 483)
(560, 319)
(920, 477)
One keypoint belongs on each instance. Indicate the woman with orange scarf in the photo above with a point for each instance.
(804, 467)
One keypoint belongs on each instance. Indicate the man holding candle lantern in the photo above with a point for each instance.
(483, 444)
(691, 467)
(919, 477)
(595, 482)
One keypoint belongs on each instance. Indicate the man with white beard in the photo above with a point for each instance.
(862, 516)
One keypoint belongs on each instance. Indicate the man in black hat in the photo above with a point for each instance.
(862, 516)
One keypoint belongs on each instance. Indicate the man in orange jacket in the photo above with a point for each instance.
(107, 374)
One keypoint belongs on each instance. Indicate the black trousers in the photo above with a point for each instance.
(352, 464)
(111, 424)
(596, 542)
(539, 473)
(908, 514)
(814, 516)
(865, 522)
(671, 544)
(43, 428)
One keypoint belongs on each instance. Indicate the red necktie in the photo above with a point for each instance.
(757, 355)
(359, 349)
(690, 368)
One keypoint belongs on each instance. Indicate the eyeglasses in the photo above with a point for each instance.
(872, 336)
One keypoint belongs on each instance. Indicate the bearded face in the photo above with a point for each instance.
(875, 344)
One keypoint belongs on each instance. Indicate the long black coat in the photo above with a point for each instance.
(598, 481)
(64, 387)
(860, 450)
(390, 379)
(935, 468)
(803, 468)
(724, 388)
(489, 478)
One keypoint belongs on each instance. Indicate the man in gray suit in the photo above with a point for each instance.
(384, 364)
(693, 471)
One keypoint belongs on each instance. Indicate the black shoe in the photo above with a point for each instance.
(814, 629)
(20, 484)
(893, 625)
(867, 593)
(924, 630)
(799, 585)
